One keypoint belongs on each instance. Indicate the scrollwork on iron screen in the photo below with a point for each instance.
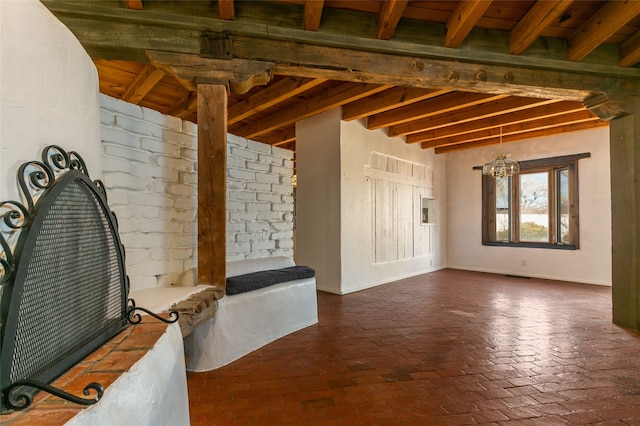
(34, 178)
(135, 318)
(17, 400)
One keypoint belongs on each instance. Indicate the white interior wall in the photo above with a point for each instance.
(590, 264)
(318, 197)
(334, 205)
(48, 92)
(358, 268)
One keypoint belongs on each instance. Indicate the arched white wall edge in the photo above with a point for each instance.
(49, 92)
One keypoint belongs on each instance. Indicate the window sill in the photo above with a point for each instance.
(532, 245)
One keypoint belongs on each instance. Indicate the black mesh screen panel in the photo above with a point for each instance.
(73, 286)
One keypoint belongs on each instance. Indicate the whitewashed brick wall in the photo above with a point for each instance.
(150, 172)
(259, 200)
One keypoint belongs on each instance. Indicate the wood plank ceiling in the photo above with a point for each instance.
(584, 32)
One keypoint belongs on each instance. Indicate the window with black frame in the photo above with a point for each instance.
(537, 207)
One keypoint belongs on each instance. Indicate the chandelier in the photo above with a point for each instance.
(501, 166)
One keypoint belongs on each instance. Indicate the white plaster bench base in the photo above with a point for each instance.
(247, 321)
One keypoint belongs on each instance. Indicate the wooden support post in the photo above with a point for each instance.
(625, 216)
(212, 187)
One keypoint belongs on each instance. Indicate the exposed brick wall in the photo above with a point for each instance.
(150, 172)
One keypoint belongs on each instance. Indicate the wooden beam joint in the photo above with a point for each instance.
(216, 45)
(607, 108)
(241, 74)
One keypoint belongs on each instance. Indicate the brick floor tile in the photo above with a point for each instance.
(583, 417)
(460, 407)
(484, 417)
(552, 408)
(317, 403)
(548, 397)
(523, 390)
(515, 413)
(428, 411)
(546, 421)
(373, 406)
(495, 394)
(520, 401)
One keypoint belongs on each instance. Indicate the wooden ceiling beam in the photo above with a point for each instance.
(338, 96)
(602, 25)
(389, 99)
(142, 84)
(291, 146)
(280, 137)
(446, 102)
(453, 118)
(122, 34)
(390, 13)
(239, 74)
(630, 51)
(469, 77)
(462, 20)
(186, 106)
(313, 14)
(270, 96)
(226, 8)
(529, 28)
(531, 114)
(524, 135)
(511, 129)
(118, 33)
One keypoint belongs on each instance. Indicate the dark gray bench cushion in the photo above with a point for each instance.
(256, 280)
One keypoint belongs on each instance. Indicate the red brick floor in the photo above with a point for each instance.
(446, 348)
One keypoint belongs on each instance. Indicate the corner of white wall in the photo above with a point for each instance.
(333, 204)
(318, 197)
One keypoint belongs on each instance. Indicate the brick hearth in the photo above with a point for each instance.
(104, 366)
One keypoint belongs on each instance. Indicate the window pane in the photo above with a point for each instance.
(503, 209)
(534, 207)
(563, 205)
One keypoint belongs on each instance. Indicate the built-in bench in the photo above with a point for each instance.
(247, 321)
(259, 308)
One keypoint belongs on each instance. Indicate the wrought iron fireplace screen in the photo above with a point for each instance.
(63, 286)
